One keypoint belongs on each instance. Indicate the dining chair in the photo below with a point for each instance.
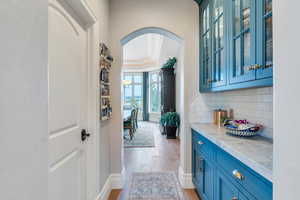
(130, 124)
(136, 118)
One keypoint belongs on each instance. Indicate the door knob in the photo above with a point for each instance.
(237, 174)
(84, 135)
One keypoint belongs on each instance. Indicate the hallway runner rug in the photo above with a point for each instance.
(143, 137)
(154, 186)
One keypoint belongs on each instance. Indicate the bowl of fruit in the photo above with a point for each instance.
(242, 128)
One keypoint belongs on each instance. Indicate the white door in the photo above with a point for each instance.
(67, 105)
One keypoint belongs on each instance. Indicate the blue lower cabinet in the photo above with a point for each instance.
(243, 197)
(208, 180)
(213, 177)
(260, 187)
(197, 169)
(225, 190)
(203, 175)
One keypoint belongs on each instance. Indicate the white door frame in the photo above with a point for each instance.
(93, 111)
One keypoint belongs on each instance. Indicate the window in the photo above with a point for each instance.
(133, 90)
(154, 92)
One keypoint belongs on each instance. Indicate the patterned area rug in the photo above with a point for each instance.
(143, 137)
(154, 186)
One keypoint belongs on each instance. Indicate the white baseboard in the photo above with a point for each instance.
(185, 179)
(114, 181)
(106, 190)
(117, 180)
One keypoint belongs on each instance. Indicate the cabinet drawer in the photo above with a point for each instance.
(204, 146)
(244, 176)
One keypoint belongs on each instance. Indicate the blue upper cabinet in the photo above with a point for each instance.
(235, 44)
(219, 44)
(213, 44)
(265, 40)
(242, 40)
(205, 45)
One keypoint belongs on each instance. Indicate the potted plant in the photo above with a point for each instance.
(170, 121)
(170, 63)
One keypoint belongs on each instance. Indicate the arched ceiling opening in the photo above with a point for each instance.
(147, 49)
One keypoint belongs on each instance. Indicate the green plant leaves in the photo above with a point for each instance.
(170, 119)
(170, 63)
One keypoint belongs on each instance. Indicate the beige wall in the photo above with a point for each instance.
(286, 99)
(24, 100)
(177, 16)
(104, 135)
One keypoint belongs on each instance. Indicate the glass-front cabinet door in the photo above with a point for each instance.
(265, 39)
(242, 36)
(218, 44)
(205, 46)
(236, 44)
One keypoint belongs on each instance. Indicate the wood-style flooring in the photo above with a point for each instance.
(163, 157)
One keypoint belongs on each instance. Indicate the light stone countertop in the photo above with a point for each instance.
(255, 152)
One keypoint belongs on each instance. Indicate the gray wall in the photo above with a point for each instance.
(286, 99)
(23, 101)
(104, 135)
(177, 16)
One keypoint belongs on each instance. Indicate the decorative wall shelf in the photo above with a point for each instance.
(105, 91)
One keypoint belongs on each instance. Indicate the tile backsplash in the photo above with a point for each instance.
(255, 105)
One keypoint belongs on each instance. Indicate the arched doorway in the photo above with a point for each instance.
(146, 30)
(179, 69)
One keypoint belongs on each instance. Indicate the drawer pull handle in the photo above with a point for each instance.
(201, 163)
(237, 174)
(200, 143)
(234, 198)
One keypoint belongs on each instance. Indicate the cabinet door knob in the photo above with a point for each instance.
(250, 68)
(200, 143)
(267, 66)
(237, 174)
(253, 67)
(257, 66)
(234, 198)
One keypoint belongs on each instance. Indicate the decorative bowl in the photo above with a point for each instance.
(242, 128)
(241, 133)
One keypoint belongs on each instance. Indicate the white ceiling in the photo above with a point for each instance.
(148, 52)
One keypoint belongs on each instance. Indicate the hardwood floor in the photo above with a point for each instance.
(163, 157)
